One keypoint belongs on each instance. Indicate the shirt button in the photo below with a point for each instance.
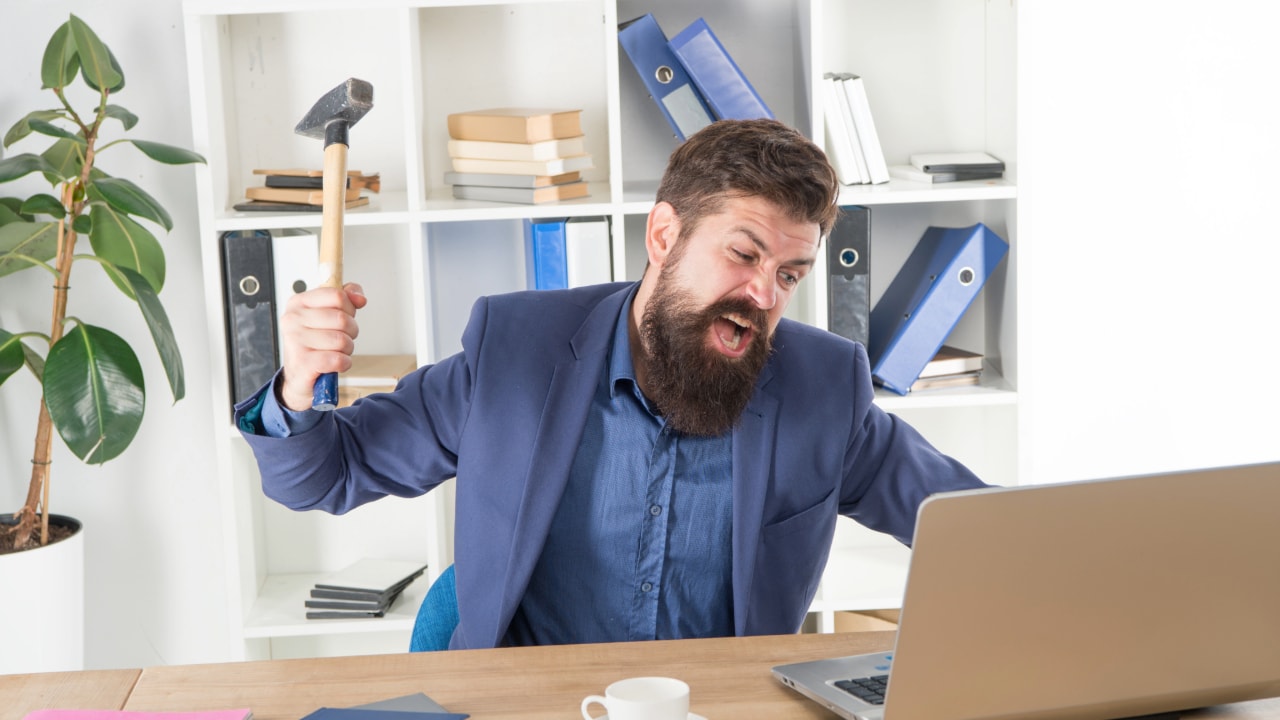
(655, 510)
(646, 587)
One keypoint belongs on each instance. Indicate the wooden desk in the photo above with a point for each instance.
(729, 680)
(97, 689)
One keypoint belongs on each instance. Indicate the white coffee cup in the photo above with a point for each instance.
(642, 698)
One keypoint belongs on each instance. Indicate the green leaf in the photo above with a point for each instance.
(64, 159)
(9, 211)
(35, 362)
(126, 197)
(161, 330)
(45, 127)
(43, 204)
(82, 225)
(22, 128)
(11, 357)
(97, 65)
(120, 241)
(126, 118)
(168, 154)
(115, 65)
(38, 241)
(61, 63)
(95, 393)
(24, 164)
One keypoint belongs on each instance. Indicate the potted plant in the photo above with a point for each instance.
(91, 383)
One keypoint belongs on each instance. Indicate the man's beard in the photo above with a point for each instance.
(698, 390)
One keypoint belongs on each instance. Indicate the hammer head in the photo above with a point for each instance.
(338, 110)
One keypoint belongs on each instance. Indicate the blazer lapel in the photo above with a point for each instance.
(560, 431)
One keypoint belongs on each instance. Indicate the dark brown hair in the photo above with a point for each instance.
(750, 158)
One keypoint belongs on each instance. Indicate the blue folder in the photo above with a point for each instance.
(663, 75)
(713, 70)
(546, 260)
(926, 299)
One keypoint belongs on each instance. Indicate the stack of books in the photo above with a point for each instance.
(301, 190)
(950, 367)
(949, 167)
(853, 145)
(365, 589)
(517, 155)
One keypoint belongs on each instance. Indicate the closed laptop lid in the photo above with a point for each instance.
(1094, 599)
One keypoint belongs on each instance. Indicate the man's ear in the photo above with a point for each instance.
(661, 233)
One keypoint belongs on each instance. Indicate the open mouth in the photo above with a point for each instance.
(734, 333)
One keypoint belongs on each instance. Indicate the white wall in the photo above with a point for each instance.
(1147, 198)
(153, 553)
(1146, 164)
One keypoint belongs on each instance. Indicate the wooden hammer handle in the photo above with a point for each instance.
(324, 394)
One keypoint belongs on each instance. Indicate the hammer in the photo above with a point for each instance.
(331, 118)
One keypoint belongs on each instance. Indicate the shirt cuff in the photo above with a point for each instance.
(279, 421)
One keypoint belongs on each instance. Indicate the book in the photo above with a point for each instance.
(417, 702)
(504, 180)
(865, 125)
(238, 714)
(910, 172)
(555, 166)
(545, 150)
(314, 178)
(373, 575)
(951, 360)
(838, 146)
(716, 75)
(371, 374)
(366, 605)
(343, 614)
(515, 124)
(269, 206)
(946, 381)
(528, 196)
(360, 713)
(588, 249)
(957, 162)
(304, 196)
(544, 254)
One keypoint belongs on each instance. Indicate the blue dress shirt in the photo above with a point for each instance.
(640, 548)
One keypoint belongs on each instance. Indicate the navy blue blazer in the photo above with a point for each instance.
(506, 415)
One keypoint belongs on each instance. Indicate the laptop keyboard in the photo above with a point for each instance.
(868, 689)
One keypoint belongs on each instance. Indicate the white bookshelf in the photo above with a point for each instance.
(939, 75)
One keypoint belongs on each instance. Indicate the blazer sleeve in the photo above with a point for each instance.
(889, 467)
(402, 443)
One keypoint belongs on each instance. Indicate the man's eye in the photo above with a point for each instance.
(744, 257)
(789, 279)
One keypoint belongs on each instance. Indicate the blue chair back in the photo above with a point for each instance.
(437, 616)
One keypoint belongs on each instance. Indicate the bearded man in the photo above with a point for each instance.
(652, 460)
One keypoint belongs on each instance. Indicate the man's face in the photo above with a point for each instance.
(707, 327)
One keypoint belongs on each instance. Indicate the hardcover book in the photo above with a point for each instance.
(515, 124)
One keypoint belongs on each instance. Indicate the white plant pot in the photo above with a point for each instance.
(42, 605)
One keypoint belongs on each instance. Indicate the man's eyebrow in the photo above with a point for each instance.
(760, 245)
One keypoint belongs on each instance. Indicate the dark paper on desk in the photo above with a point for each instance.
(367, 714)
(418, 702)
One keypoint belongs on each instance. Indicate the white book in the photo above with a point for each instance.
(851, 127)
(588, 250)
(545, 150)
(839, 147)
(523, 167)
(868, 138)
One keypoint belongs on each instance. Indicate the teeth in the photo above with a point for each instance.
(738, 320)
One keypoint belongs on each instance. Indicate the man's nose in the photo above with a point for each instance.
(762, 290)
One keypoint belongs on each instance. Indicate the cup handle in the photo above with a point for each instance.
(587, 701)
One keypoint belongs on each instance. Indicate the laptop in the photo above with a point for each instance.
(1097, 599)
